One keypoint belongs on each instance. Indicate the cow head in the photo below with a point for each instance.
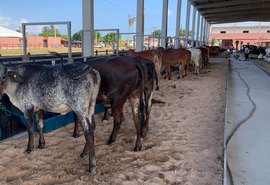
(7, 74)
(3, 75)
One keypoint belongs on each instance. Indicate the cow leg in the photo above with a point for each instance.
(145, 127)
(117, 120)
(30, 128)
(76, 126)
(170, 73)
(135, 105)
(40, 124)
(106, 112)
(88, 130)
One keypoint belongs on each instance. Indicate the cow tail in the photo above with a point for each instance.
(140, 86)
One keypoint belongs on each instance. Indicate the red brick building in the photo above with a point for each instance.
(225, 36)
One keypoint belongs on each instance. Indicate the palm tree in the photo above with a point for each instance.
(131, 21)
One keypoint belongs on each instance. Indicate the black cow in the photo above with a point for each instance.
(60, 89)
(125, 78)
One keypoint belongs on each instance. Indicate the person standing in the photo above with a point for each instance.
(247, 51)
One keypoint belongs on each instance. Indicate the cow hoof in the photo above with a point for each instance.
(28, 150)
(75, 135)
(41, 145)
(109, 142)
(83, 154)
(91, 169)
(137, 148)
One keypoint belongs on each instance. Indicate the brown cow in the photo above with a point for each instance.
(176, 57)
(205, 55)
(154, 56)
(214, 50)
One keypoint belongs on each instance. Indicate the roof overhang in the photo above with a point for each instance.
(4, 32)
(229, 11)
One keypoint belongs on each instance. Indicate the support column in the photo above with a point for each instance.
(164, 23)
(178, 23)
(193, 27)
(198, 28)
(204, 30)
(187, 23)
(207, 32)
(201, 33)
(88, 28)
(140, 25)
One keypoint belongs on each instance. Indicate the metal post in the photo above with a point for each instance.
(69, 43)
(140, 25)
(204, 30)
(164, 23)
(193, 26)
(25, 56)
(88, 27)
(201, 29)
(117, 41)
(198, 28)
(187, 23)
(178, 23)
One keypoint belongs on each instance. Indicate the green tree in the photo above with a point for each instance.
(156, 33)
(50, 31)
(182, 32)
(78, 36)
(111, 37)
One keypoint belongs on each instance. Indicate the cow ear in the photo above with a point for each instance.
(14, 76)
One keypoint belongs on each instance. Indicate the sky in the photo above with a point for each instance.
(109, 14)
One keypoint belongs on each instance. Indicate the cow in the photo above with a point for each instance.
(125, 78)
(59, 89)
(196, 59)
(176, 57)
(214, 50)
(153, 55)
(205, 55)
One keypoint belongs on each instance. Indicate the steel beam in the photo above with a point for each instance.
(88, 28)
(187, 22)
(178, 23)
(140, 25)
(164, 23)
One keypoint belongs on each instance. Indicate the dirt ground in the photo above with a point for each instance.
(184, 145)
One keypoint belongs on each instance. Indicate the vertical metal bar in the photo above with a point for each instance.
(193, 26)
(198, 28)
(187, 22)
(202, 28)
(140, 25)
(178, 23)
(69, 42)
(25, 57)
(88, 27)
(164, 23)
(117, 41)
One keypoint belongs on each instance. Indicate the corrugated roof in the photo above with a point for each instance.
(4, 32)
(228, 11)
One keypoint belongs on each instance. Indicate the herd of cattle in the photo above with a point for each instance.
(109, 80)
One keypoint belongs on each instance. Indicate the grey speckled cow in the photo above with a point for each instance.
(59, 89)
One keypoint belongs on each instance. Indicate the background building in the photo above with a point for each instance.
(258, 35)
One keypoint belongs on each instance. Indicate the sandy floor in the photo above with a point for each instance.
(184, 144)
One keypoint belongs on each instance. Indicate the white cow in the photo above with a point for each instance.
(196, 59)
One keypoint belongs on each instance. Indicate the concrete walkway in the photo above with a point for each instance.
(247, 125)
